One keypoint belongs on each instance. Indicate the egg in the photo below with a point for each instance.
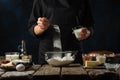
(20, 67)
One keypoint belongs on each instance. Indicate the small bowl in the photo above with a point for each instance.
(111, 66)
(12, 55)
(61, 58)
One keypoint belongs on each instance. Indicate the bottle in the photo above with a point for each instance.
(23, 48)
(23, 52)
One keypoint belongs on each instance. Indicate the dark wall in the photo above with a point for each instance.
(14, 15)
(107, 26)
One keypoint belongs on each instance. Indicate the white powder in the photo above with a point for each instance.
(58, 61)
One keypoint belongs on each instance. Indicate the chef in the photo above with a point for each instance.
(53, 21)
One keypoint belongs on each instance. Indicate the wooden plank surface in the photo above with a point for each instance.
(118, 71)
(74, 73)
(2, 71)
(72, 69)
(95, 72)
(47, 70)
(34, 67)
(102, 74)
(71, 72)
(16, 75)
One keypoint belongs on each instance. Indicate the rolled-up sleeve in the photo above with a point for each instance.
(36, 12)
(85, 16)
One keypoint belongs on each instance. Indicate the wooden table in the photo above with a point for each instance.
(71, 72)
(12, 74)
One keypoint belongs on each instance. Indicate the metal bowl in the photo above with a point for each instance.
(111, 66)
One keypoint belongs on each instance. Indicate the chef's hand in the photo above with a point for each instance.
(84, 33)
(42, 25)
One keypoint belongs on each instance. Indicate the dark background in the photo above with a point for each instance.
(14, 15)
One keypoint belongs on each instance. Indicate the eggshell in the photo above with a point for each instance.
(20, 67)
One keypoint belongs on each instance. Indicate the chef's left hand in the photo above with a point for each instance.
(84, 33)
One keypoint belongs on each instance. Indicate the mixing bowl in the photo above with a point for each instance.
(60, 58)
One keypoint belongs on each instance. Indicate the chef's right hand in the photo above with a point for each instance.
(43, 23)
